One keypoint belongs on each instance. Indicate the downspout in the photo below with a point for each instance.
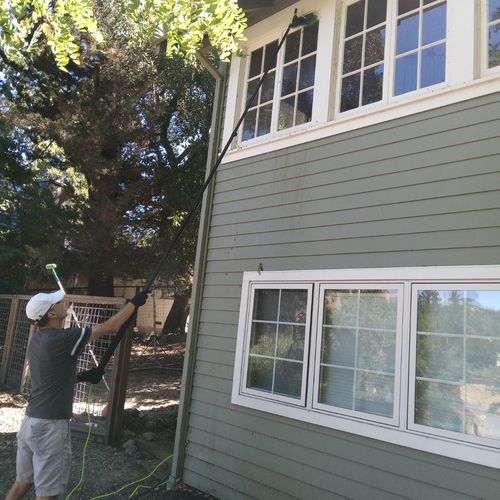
(176, 470)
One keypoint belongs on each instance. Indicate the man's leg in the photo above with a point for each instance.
(18, 490)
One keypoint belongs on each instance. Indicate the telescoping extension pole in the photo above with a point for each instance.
(94, 375)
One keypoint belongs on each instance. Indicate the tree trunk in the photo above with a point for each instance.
(176, 319)
(101, 286)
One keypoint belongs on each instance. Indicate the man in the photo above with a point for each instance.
(43, 441)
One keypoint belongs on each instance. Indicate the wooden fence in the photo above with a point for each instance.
(105, 406)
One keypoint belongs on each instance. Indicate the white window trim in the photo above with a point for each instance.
(405, 434)
(463, 80)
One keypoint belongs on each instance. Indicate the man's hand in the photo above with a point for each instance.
(140, 298)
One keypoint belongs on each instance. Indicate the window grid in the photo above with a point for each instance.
(362, 70)
(275, 356)
(463, 382)
(256, 123)
(297, 91)
(425, 6)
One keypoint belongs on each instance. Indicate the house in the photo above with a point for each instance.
(345, 330)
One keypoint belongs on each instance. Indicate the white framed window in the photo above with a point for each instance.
(390, 48)
(359, 335)
(490, 47)
(277, 342)
(410, 356)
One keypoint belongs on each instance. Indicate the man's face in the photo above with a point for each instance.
(59, 310)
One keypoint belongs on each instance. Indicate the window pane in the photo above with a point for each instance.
(267, 92)
(263, 339)
(291, 342)
(441, 311)
(260, 374)
(407, 38)
(439, 405)
(310, 38)
(264, 123)
(289, 84)
(350, 93)
(288, 379)
(352, 54)
(483, 313)
(255, 63)
(341, 308)
(407, 5)
(494, 46)
(293, 306)
(252, 85)
(483, 361)
(355, 18)
(494, 10)
(307, 68)
(338, 346)
(304, 107)
(376, 12)
(270, 58)
(406, 74)
(433, 65)
(374, 394)
(292, 46)
(373, 84)
(434, 24)
(336, 387)
(287, 107)
(377, 351)
(375, 46)
(266, 305)
(249, 125)
(439, 357)
(378, 309)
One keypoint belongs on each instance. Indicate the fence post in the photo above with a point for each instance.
(118, 391)
(9, 338)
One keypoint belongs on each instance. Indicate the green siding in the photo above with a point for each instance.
(421, 190)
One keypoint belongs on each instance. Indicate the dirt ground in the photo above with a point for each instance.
(148, 434)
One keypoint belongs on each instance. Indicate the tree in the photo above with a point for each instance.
(135, 137)
(26, 26)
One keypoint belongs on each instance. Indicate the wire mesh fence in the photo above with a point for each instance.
(87, 312)
(5, 305)
(17, 357)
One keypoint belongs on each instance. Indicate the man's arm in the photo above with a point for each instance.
(113, 324)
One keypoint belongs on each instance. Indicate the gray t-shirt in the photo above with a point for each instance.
(52, 356)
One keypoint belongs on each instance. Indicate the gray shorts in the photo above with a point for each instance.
(44, 455)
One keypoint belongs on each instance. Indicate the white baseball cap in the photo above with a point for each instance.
(39, 305)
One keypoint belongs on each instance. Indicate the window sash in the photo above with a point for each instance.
(412, 367)
(248, 329)
(318, 339)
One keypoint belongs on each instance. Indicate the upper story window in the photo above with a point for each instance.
(360, 63)
(286, 96)
(493, 33)
(369, 72)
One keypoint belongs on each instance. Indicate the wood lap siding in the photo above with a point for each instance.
(421, 190)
